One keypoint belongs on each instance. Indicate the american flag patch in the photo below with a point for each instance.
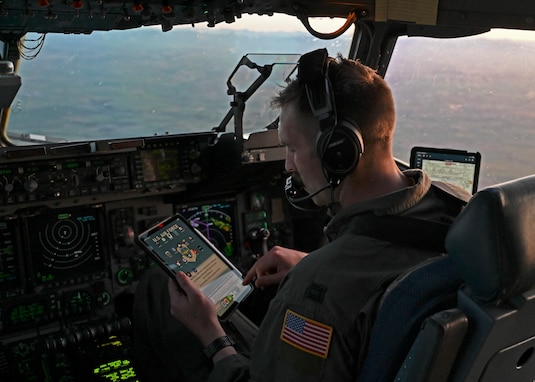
(308, 335)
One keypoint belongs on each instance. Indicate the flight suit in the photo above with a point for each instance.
(317, 326)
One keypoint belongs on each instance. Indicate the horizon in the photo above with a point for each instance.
(287, 23)
(459, 93)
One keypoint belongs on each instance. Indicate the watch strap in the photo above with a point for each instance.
(216, 345)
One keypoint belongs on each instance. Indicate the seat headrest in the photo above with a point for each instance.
(493, 241)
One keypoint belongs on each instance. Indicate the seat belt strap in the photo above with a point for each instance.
(411, 232)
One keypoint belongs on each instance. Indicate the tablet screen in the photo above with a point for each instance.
(453, 166)
(177, 246)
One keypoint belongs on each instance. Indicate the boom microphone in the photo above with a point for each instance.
(299, 198)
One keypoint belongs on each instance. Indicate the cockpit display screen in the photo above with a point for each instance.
(160, 164)
(216, 221)
(10, 267)
(453, 166)
(66, 246)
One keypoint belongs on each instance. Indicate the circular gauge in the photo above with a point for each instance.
(125, 276)
(80, 302)
(216, 225)
(67, 242)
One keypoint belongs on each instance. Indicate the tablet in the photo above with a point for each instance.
(448, 165)
(175, 245)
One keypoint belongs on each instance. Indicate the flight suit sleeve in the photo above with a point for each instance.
(234, 368)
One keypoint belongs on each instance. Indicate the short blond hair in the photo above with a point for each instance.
(359, 92)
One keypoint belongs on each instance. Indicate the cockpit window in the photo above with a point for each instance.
(146, 82)
(475, 93)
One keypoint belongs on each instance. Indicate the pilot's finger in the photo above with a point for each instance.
(250, 275)
(262, 266)
(175, 289)
(184, 282)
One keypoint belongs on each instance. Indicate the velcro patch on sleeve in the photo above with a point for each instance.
(305, 334)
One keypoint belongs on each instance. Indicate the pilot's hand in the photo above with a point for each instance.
(273, 266)
(194, 309)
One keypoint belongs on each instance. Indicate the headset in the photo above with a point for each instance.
(339, 143)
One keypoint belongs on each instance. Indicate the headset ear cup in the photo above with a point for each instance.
(339, 148)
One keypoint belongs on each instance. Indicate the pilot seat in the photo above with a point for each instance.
(488, 333)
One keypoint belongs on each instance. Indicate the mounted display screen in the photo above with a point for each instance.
(66, 245)
(453, 166)
(215, 220)
(10, 266)
(160, 164)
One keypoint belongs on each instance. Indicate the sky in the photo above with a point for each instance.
(511, 34)
(281, 23)
(285, 23)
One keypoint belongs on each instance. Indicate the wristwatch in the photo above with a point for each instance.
(216, 345)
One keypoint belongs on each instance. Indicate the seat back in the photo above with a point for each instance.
(492, 244)
(423, 290)
(420, 291)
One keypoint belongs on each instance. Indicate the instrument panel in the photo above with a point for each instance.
(69, 215)
(77, 173)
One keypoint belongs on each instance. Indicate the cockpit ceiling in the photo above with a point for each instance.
(84, 16)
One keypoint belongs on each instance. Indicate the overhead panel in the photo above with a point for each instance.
(417, 11)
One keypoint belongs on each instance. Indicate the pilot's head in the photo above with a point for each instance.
(335, 115)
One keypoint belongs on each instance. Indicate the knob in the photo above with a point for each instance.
(30, 185)
(125, 276)
(128, 235)
(195, 169)
(194, 154)
(103, 299)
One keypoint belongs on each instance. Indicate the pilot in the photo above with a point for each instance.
(337, 122)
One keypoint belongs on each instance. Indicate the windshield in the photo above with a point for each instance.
(472, 93)
(145, 82)
(475, 93)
